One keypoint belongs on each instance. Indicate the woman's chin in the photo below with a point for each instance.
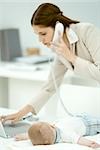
(48, 46)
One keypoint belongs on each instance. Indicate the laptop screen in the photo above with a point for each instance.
(2, 131)
(9, 130)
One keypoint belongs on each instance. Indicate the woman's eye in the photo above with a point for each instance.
(43, 33)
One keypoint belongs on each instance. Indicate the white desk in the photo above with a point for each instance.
(15, 77)
(24, 71)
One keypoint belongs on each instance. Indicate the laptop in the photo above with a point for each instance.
(8, 130)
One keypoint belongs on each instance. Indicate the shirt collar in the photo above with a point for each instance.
(58, 136)
(72, 36)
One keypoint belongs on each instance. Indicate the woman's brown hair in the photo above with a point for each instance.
(48, 14)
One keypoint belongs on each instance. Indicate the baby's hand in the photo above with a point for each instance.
(94, 144)
(89, 143)
(20, 137)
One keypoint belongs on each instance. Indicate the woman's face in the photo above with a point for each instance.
(45, 34)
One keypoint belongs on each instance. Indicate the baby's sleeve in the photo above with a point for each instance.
(71, 137)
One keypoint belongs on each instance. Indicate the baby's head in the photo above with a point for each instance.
(42, 133)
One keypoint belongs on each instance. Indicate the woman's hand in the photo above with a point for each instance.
(13, 118)
(61, 48)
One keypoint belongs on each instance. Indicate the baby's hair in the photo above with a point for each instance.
(41, 133)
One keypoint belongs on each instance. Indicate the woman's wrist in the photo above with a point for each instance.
(31, 109)
(28, 108)
(72, 58)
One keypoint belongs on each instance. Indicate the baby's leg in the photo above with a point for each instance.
(98, 125)
(23, 136)
(92, 123)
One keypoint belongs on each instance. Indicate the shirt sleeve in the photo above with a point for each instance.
(75, 138)
(48, 89)
(91, 39)
(71, 137)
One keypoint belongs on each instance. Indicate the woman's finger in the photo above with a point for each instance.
(2, 118)
(55, 44)
(14, 121)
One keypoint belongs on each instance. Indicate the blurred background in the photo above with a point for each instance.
(17, 14)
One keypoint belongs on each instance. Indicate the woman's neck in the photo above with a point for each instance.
(66, 40)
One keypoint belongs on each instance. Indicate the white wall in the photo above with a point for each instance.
(17, 13)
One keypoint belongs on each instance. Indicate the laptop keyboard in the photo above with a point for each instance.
(12, 130)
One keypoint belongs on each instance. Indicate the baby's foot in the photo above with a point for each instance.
(20, 137)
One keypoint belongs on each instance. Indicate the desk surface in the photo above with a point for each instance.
(40, 73)
(24, 71)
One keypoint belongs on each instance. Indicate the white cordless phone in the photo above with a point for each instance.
(58, 33)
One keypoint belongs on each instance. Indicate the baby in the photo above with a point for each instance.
(69, 129)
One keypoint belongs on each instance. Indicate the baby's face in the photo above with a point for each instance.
(42, 133)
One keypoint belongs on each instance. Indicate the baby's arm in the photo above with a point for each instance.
(89, 143)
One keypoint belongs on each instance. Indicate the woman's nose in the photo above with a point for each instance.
(42, 40)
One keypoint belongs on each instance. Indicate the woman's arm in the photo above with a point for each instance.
(48, 89)
(90, 36)
(90, 40)
(15, 117)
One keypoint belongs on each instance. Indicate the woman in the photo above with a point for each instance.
(78, 49)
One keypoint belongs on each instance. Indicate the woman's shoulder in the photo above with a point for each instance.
(82, 27)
